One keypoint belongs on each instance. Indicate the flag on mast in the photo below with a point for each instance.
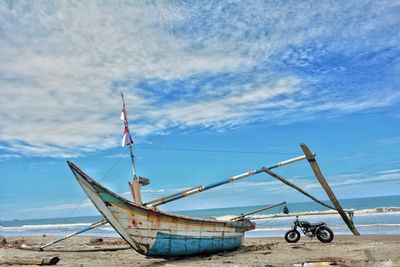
(126, 139)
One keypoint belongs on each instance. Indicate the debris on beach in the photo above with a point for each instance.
(30, 261)
(260, 247)
(114, 241)
(333, 261)
(96, 241)
(11, 244)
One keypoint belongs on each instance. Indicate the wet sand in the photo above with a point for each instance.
(371, 250)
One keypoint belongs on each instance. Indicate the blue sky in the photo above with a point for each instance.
(255, 78)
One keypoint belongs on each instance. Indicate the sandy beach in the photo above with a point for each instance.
(371, 250)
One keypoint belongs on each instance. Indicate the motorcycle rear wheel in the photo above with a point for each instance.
(325, 234)
(292, 236)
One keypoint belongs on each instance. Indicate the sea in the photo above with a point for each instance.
(372, 215)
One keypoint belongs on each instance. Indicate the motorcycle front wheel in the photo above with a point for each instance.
(325, 235)
(292, 236)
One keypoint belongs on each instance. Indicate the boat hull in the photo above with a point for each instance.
(152, 232)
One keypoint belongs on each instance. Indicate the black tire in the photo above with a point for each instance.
(292, 236)
(325, 234)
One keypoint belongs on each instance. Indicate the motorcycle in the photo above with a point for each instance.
(321, 230)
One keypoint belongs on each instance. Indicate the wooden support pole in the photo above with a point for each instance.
(283, 180)
(314, 165)
(135, 185)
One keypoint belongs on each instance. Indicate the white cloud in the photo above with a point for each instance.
(8, 156)
(230, 110)
(63, 64)
(59, 63)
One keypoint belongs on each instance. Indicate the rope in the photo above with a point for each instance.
(83, 200)
(267, 220)
(215, 150)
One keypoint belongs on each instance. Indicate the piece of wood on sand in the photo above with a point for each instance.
(30, 261)
(328, 190)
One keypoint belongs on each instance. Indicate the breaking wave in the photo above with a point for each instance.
(360, 212)
(381, 220)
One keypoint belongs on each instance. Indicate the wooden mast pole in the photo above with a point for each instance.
(135, 185)
(314, 165)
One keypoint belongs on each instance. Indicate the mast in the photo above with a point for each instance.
(135, 185)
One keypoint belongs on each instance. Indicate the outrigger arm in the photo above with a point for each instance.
(242, 216)
(199, 189)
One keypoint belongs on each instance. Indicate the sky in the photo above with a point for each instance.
(212, 88)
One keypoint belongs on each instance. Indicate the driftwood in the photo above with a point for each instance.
(89, 249)
(30, 261)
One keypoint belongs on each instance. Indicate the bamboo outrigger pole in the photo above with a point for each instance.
(198, 189)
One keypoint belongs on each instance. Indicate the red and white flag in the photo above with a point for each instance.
(126, 139)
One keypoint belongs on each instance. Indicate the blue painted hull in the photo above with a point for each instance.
(170, 245)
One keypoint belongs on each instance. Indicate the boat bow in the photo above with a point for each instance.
(155, 233)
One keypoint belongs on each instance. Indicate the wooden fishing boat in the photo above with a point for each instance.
(152, 232)
(155, 233)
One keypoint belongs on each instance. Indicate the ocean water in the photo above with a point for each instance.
(375, 215)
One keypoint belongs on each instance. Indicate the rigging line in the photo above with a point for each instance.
(115, 163)
(83, 200)
(215, 151)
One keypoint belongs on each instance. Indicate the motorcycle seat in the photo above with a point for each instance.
(307, 224)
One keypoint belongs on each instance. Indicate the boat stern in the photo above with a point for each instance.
(244, 225)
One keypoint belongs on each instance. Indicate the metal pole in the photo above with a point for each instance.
(198, 189)
(253, 212)
(92, 226)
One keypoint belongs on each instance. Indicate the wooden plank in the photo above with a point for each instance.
(29, 261)
(328, 190)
